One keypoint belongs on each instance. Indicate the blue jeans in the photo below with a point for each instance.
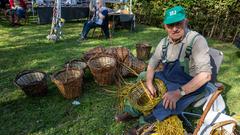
(91, 24)
(20, 12)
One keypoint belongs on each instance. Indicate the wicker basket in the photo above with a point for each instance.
(103, 67)
(33, 83)
(138, 97)
(69, 82)
(121, 53)
(75, 63)
(143, 51)
(93, 52)
(137, 65)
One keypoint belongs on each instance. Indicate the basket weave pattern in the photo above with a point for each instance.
(103, 68)
(138, 97)
(143, 51)
(78, 64)
(33, 83)
(137, 65)
(93, 52)
(69, 82)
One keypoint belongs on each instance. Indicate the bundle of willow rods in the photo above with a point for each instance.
(170, 126)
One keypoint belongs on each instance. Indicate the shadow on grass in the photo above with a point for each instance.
(27, 48)
(54, 115)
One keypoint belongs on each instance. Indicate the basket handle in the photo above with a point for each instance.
(203, 116)
(222, 123)
(66, 75)
(146, 91)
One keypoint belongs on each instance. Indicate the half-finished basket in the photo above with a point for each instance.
(139, 97)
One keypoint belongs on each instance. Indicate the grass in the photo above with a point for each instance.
(26, 47)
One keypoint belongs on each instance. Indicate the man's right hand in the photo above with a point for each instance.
(151, 90)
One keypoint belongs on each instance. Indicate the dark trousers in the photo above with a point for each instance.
(90, 24)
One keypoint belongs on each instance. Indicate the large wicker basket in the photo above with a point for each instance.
(141, 100)
(103, 67)
(69, 82)
(143, 51)
(33, 83)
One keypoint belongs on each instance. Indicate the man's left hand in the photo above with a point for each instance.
(170, 99)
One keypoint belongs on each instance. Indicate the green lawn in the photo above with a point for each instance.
(26, 47)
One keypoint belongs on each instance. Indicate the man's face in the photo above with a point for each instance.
(99, 3)
(176, 30)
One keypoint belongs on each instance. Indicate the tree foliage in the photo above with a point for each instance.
(213, 18)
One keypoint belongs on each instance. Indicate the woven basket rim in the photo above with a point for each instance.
(53, 76)
(24, 72)
(98, 56)
(143, 45)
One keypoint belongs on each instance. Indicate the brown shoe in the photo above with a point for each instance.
(132, 131)
(124, 117)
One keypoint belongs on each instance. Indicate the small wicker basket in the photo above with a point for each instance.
(137, 65)
(75, 63)
(143, 51)
(69, 82)
(33, 83)
(103, 67)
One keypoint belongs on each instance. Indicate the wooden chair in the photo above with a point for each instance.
(99, 34)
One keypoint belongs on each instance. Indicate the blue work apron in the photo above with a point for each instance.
(174, 77)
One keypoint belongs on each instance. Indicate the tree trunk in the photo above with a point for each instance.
(214, 27)
(224, 25)
(237, 31)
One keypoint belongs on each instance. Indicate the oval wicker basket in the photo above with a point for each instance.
(103, 67)
(139, 98)
(33, 83)
(137, 65)
(75, 63)
(69, 82)
(143, 51)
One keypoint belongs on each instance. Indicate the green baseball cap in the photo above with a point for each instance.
(173, 15)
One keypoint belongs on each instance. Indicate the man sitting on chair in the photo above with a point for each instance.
(99, 19)
(187, 70)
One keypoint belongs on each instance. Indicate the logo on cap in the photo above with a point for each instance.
(174, 12)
